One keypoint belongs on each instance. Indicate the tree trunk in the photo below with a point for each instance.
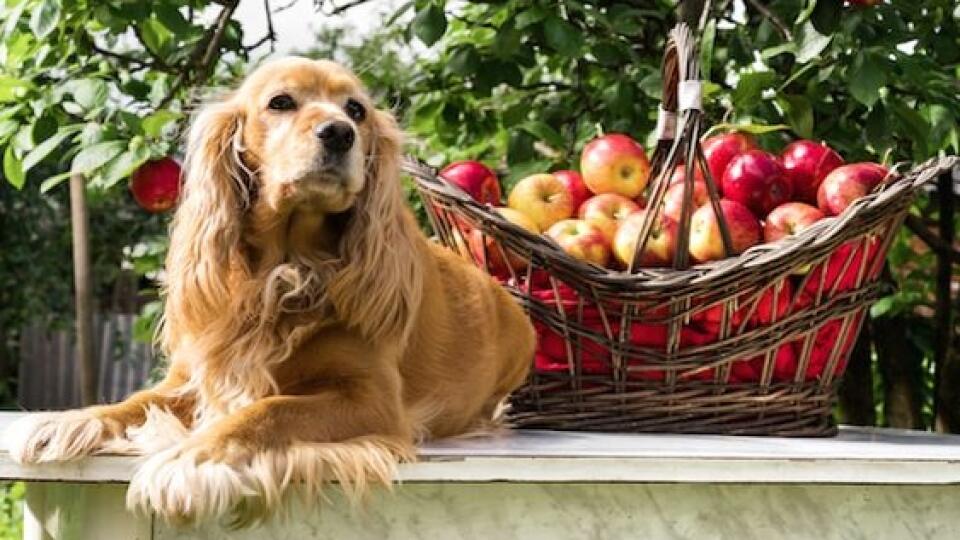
(83, 290)
(856, 387)
(899, 363)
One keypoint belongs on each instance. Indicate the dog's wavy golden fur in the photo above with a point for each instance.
(313, 332)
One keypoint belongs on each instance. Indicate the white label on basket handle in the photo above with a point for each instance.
(690, 96)
(666, 125)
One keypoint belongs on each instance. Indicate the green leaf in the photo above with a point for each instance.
(170, 16)
(563, 37)
(123, 165)
(54, 181)
(882, 307)
(12, 17)
(13, 168)
(43, 149)
(750, 88)
(530, 16)
(866, 77)
(915, 126)
(13, 89)
(826, 15)
(94, 157)
(810, 43)
(153, 124)
(8, 127)
(545, 133)
(89, 93)
(753, 129)
(430, 24)
(45, 18)
(706, 48)
(156, 36)
(798, 113)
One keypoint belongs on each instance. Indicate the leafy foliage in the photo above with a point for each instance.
(98, 88)
(11, 510)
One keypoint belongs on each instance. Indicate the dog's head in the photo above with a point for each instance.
(298, 141)
(296, 133)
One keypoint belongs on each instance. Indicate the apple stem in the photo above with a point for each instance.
(599, 129)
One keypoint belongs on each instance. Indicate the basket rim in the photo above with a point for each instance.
(812, 238)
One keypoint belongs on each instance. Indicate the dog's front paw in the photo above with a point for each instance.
(189, 483)
(42, 438)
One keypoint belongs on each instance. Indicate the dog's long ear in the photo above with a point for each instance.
(379, 288)
(207, 226)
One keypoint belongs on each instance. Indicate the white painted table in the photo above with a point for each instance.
(865, 483)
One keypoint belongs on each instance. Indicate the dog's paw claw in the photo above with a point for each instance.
(42, 438)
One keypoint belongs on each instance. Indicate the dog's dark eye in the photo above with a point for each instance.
(355, 110)
(282, 102)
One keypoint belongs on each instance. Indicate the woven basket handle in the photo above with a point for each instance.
(681, 93)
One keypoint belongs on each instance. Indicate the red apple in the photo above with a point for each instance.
(660, 246)
(476, 179)
(543, 198)
(581, 240)
(156, 185)
(607, 211)
(485, 248)
(756, 179)
(574, 184)
(866, 3)
(706, 243)
(615, 163)
(681, 171)
(807, 163)
(673, 199)
(788, 219)
(848, 183)
(719, 150)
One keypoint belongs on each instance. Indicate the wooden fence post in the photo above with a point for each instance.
(946, 395)
(83, 290)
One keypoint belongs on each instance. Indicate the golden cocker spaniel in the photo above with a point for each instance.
(313, 332)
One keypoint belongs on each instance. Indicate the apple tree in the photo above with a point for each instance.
(90, 91)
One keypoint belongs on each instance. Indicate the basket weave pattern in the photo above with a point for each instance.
(753, 344)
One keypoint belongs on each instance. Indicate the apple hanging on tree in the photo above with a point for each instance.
(156, 185)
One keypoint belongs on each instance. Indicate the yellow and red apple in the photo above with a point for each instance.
(543, 198)
(660, 246)
(673, 199)
(606, 211)
(706, 242)
(581, 240)
(788, 219)
(848, 183)
(615, 163)
(485, 248)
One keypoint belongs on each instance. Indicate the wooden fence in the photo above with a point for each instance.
(49, 373)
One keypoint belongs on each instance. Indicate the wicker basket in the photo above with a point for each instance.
(752, 344)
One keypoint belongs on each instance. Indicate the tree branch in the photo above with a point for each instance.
(336, 10)
(916, 225)
(271, 33)
(765, 11)
(200, 60)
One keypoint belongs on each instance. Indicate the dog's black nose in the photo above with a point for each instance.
(336, 136)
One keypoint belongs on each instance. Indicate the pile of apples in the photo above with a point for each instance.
(595, 215)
